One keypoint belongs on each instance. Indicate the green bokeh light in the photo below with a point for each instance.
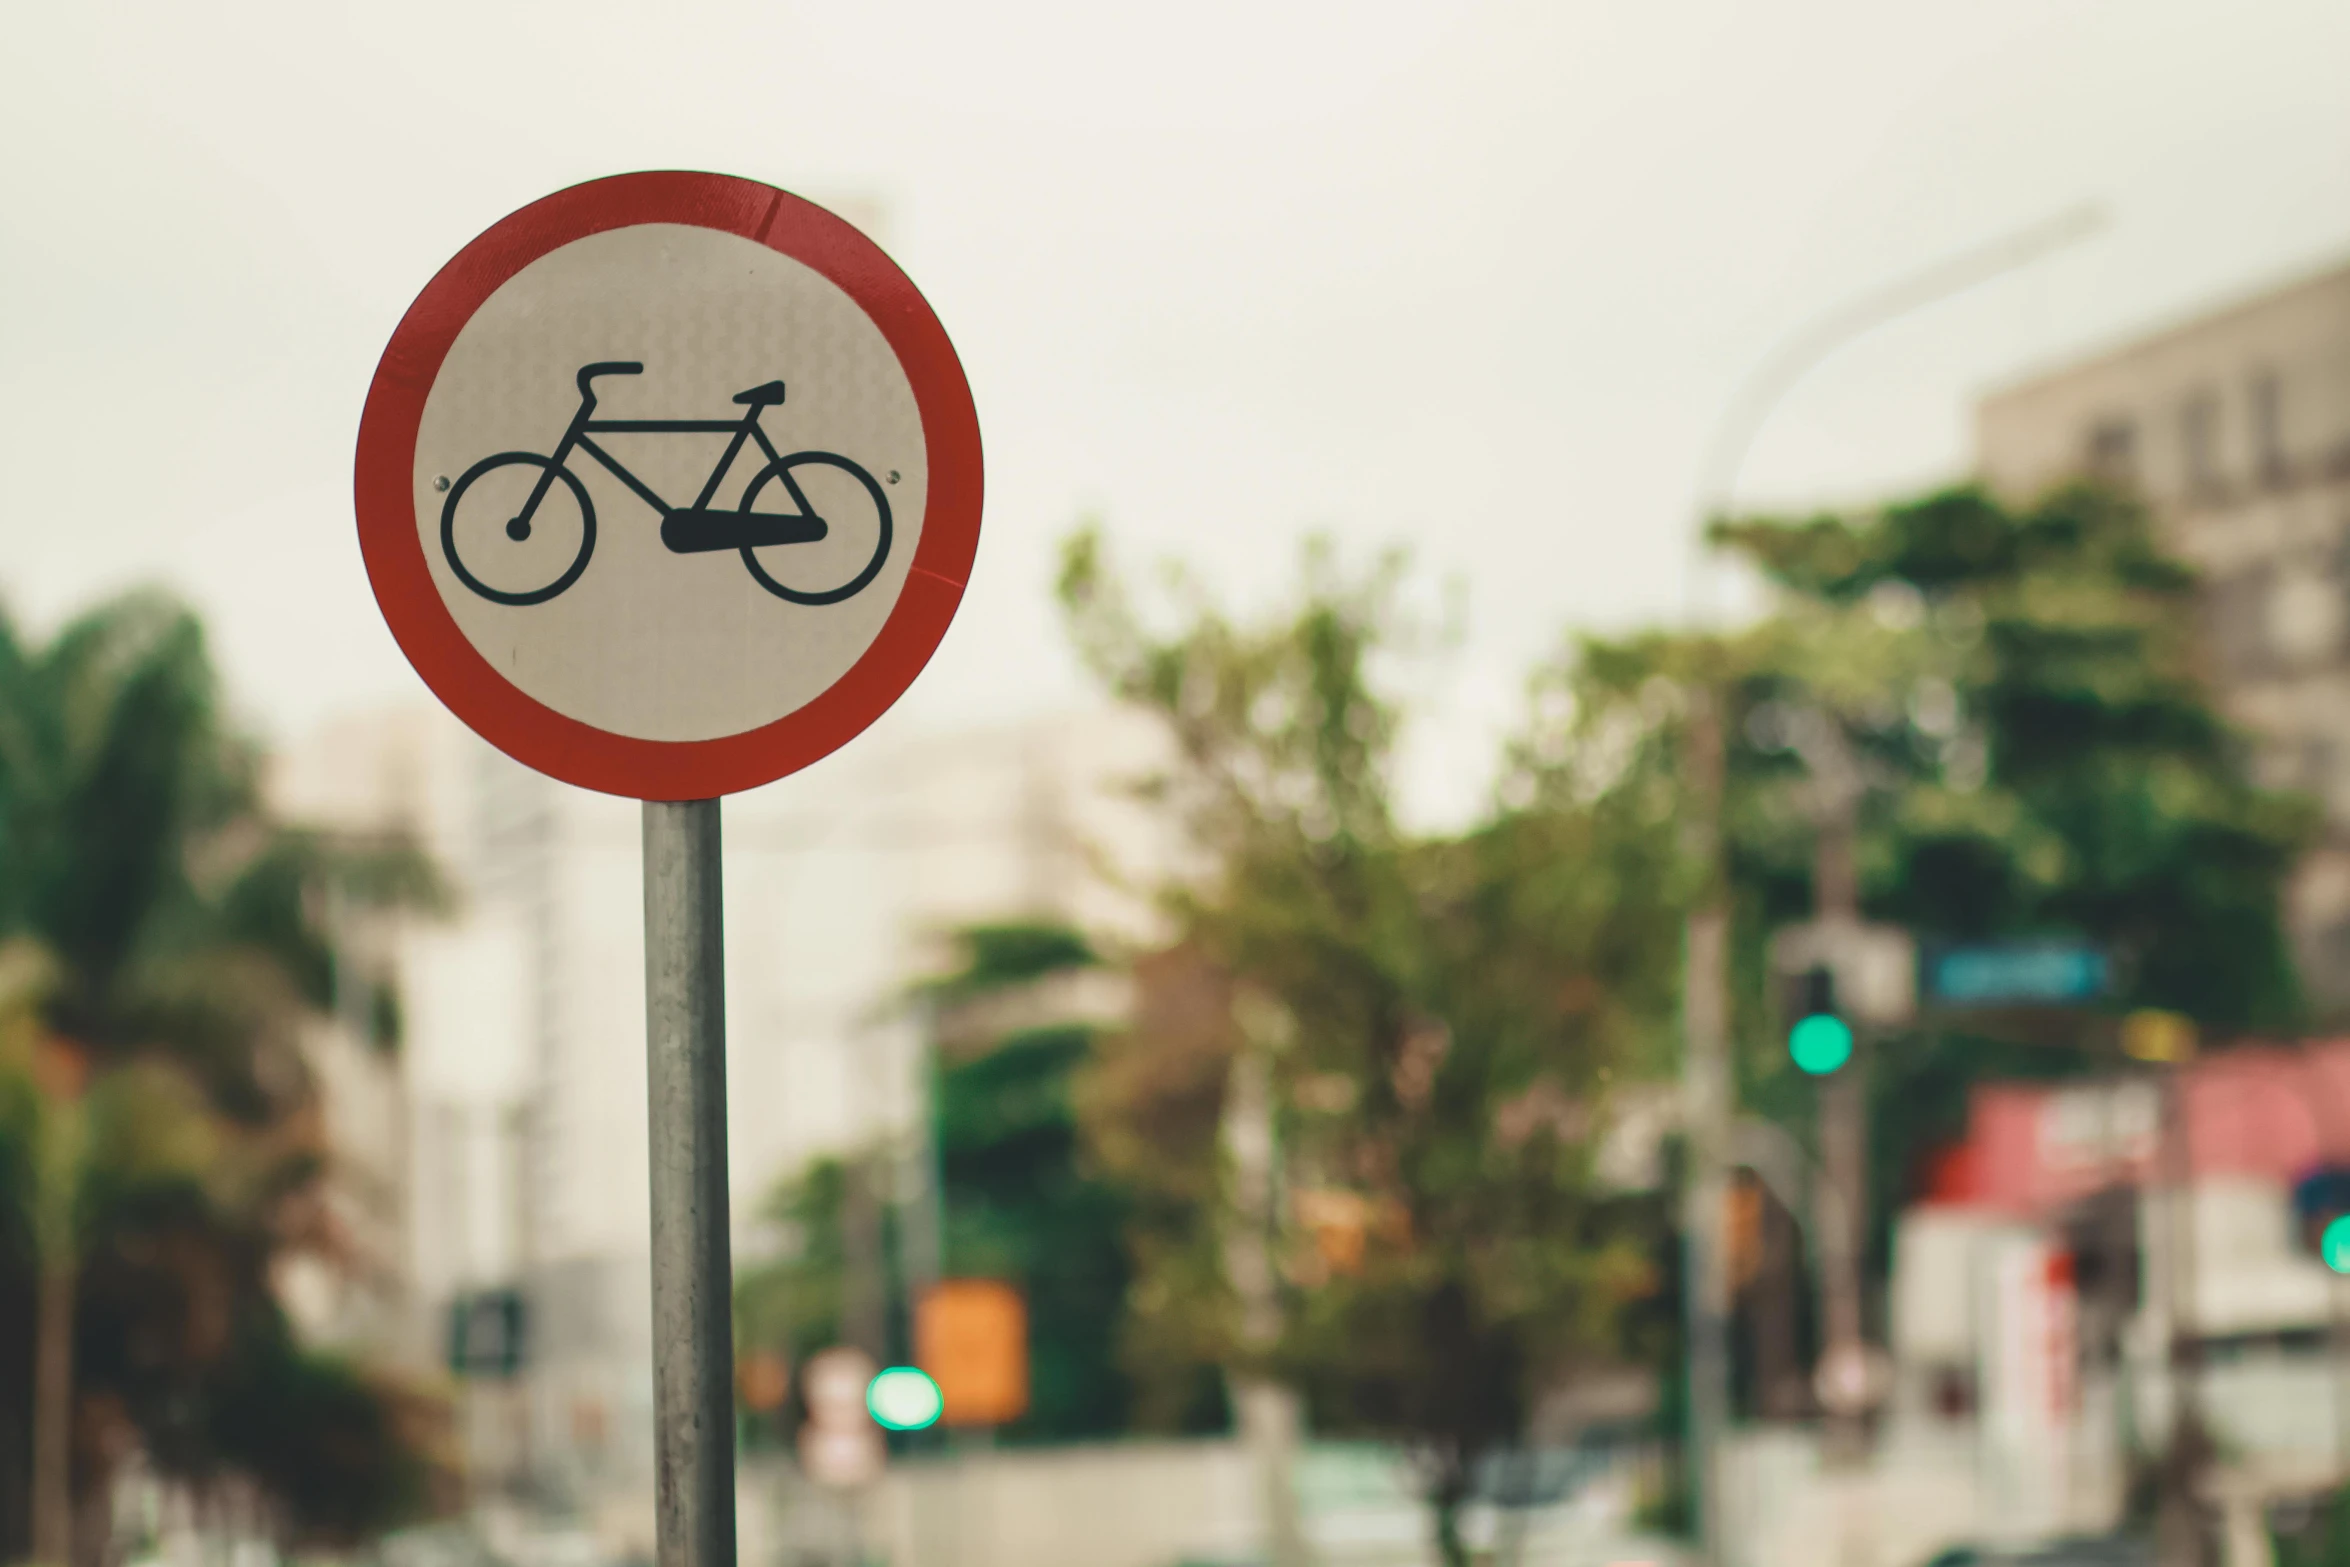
(903, 1398)
(1820, 1043)
(2334, 1245)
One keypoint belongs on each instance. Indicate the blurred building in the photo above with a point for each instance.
(521, 1075)
(2091, 1260)
(2236, 426)
(348, 1288)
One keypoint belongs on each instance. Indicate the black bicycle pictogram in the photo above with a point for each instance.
(686, 530)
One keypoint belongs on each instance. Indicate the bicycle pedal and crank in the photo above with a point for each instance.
(694, 528)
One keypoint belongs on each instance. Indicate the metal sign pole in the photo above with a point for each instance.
(685, 1050)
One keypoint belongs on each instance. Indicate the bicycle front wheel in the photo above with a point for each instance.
(503, 548)
(855, 513)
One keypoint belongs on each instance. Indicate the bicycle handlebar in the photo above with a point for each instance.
(588, 373)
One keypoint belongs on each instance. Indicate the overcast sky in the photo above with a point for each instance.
(1473, 277)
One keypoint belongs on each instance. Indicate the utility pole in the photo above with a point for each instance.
(1705, 1077)
(864, 1308)
(921, 1184)
(1706, 1090)
(1842, 1215)
(2179, 1521)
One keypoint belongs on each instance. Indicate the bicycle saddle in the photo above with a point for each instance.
(761, 396)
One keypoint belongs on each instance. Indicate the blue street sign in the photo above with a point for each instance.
(2024, 973)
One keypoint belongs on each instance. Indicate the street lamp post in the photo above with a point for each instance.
(1706, 1078)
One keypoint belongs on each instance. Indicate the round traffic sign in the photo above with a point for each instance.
(669, 484)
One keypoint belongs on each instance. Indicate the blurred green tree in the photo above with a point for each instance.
(792, 1304)
(2020, 687)
(1436, 1022)
(1020, 1202)
(2319, 1535)
(2066, 767)
(163, 943)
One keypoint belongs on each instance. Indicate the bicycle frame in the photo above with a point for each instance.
(692, 529)
(582, 425)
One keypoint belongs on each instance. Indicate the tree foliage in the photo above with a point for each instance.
(2017, 692)
(160, 937)
(2076, 775)
(2021, 689)
(1020, 1201)
(1442, 1018)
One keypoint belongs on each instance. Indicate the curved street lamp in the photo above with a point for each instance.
(1705, 1071)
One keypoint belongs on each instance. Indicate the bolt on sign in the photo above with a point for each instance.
(971, 1335)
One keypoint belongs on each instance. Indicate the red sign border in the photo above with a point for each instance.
(528, 730)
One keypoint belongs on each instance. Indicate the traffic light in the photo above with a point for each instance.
(1819, 1040)
(1836, 975)
(2322, 1204)
(903, 1398)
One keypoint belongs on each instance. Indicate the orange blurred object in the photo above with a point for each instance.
(1339, 1221)
(764, 1379)
(1746, 1228)
(61, 1068)
(971, 1335)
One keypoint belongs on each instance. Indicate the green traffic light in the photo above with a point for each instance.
(1823, 1042)
(903, 1398)
(2333, 1247)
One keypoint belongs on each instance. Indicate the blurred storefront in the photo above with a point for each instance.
(2094, 1255)
(2091, 1257)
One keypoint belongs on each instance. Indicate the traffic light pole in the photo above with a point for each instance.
(1842, 1220)
(1706, 978)
(1843, 1110)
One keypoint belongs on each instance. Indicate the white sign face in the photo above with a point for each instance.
(669, 484)
(704, 534)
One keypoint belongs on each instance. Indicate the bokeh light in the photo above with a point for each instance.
(1820, 1043)
(2334, 1245)
(903, 1398)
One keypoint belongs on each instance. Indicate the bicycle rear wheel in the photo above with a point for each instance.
(855, 514)
(522, 560)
